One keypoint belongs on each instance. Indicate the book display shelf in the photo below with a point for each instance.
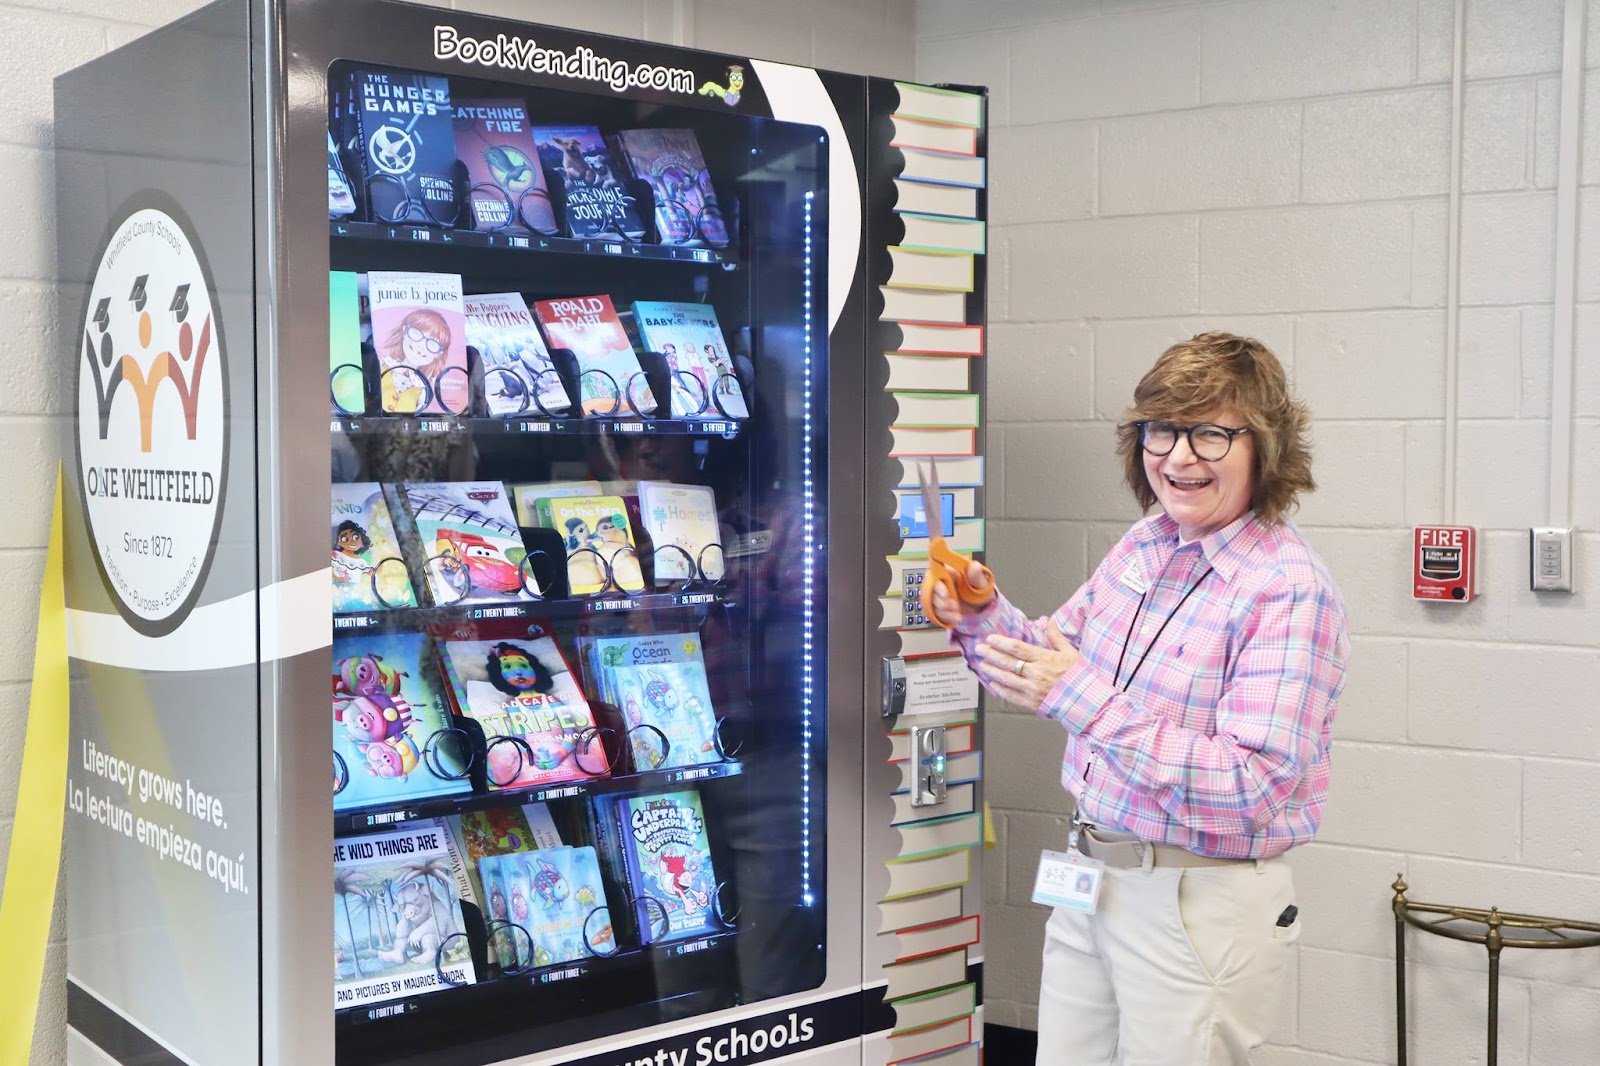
(485, 471)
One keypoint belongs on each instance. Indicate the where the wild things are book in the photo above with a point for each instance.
(597, 203)
(610, 379)
(467, 536)
(519, 377)
(687, 211)
(538, 724)
(368, 571)
(689, 337)
(419, 329)
(392, 737)
(395, 917)
(506, 184)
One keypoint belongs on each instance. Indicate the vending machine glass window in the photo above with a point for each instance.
(578, 381)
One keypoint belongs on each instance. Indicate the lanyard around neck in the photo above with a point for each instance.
(1153, 640)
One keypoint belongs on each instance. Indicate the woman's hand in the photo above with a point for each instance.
(1023, 673)
(950, 611)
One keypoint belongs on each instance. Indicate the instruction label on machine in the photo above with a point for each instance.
(1444, 563)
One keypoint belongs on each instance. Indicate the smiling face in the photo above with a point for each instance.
(1203, 496)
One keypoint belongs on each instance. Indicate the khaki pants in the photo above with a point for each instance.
(1179, 967)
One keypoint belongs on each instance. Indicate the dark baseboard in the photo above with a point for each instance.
(1005, 1046)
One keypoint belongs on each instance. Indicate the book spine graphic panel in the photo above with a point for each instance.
(928, 262)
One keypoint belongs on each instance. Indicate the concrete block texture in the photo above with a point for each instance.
(1120, 64)
(1412, 799)
(1104, 268)
(1375, 364)
(1373, 704)
(1195, 160)
(1306, 259)
(1503, 697)
(1287, 49)
(1040, 372)
(1561, 815)
(1042, 173)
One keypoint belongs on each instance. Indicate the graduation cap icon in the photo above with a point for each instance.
(180, 302)
(102, 314)
(137, 295)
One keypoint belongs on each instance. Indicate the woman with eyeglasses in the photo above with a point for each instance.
(1196, 675)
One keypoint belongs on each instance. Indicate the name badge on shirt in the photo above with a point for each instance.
(1068, 879)
(1134, 579)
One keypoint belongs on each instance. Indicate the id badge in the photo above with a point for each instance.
(1068, 879)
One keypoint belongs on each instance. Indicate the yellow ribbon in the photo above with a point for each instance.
(35, 856)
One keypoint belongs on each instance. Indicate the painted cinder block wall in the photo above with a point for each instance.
(1281, 168)
(42, 38)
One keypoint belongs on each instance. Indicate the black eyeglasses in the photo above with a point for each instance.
(1207, 441)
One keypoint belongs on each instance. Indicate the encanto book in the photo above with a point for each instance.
(369, 573)
(399, 128)
(395, 917)
(522, 690)
(690, 338)
(471, 549)
(610, 378)
(668, 859)
(682, 523)
(392, 737)
(506, 185)
(419, 328)
(659, 683)
(519, 377)
(598, 540)
(687, 211)
(347, 384)
(596, 201)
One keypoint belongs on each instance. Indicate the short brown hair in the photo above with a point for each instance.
(1194, 378)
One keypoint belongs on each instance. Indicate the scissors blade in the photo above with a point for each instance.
(932, 512)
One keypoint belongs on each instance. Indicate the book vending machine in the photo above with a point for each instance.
(537, 417)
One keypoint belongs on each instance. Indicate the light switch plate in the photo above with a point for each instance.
(1550, 559)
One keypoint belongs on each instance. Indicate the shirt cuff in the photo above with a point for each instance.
(1078, 697)
(981, 623)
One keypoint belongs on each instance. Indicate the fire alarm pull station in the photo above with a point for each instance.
(1444, 563)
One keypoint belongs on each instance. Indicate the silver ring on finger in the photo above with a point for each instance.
(1017, 669)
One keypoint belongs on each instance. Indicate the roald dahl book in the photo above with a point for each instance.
(610, 378)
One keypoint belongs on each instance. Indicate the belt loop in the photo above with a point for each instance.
(1261, 866)
(1147, 855)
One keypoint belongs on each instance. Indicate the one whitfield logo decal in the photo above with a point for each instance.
(510, 52)
(151, 418)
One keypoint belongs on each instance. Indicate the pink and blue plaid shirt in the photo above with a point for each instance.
(1220, 744)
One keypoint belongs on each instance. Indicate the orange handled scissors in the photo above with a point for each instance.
(946, 569)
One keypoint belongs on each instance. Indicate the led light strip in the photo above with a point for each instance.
(809, 584)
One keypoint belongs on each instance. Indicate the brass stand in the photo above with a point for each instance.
(1491, 928)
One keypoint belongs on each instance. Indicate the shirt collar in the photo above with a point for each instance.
(1224, 549)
